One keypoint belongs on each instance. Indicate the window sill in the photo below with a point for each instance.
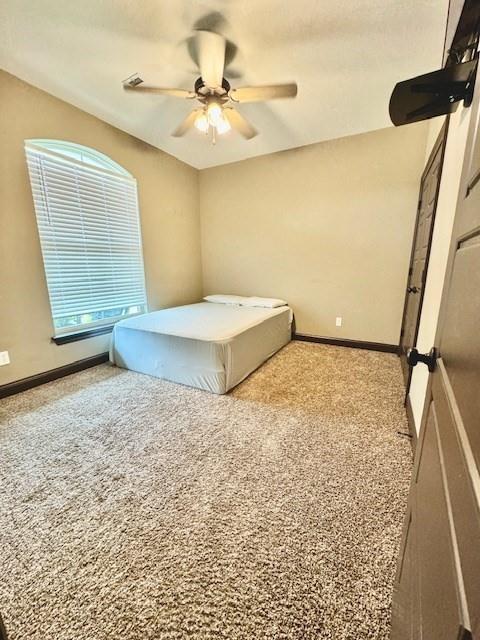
(82, 335)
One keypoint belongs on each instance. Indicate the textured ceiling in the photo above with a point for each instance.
(345, 55)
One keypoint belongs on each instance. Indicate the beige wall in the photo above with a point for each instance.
(168, 197)
(328, 227)
(447, 200)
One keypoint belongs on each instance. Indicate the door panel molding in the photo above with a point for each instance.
(412, 615)
(462, 596)
(464, 440)
(460, 480)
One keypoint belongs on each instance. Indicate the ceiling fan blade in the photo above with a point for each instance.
(265, 92)
(239, 123)
(187, 123)
(210, 48)
(175, 93)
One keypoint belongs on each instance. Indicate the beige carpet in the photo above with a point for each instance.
(134, 508)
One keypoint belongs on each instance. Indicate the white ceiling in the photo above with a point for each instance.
(345, 55)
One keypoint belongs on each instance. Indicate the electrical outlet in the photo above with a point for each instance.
(338, 321)
(4, 358)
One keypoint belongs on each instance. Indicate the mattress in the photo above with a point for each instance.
(206, 345)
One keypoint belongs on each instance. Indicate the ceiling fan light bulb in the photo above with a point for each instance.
(202, 123)
(214, 113)
(223, 126)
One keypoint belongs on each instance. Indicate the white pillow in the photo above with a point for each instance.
(225, 299)
(269, 303)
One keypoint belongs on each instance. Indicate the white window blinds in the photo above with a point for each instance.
(90, 236)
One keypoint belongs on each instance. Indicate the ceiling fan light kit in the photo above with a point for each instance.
(211, 119)
(213, 91)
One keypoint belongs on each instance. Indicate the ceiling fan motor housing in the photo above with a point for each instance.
(203, 91)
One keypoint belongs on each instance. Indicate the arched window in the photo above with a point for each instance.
(88, 221)
(78, 152)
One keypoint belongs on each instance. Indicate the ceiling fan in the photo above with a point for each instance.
(216, 114)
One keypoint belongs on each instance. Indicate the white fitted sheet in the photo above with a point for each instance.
(206, 345)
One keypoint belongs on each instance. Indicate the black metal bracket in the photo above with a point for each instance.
(451, 91)
(457, 53)
(433, 94)
(430, 358)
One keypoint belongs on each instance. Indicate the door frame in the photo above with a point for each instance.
(440, 143)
